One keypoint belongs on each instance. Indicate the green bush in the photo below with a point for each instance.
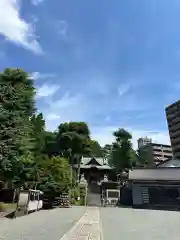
(78, 191)
(74, 196)
(2, 207)
(83, 192)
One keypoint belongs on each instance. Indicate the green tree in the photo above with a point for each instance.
(38, 134)
(51, 144)
(17, 106)
(95, 149)
(55, 174)
(121, 157)
(73, 141)
(135, 158)
(107, 151)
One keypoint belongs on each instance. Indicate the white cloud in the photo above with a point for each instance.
(62, 28)
(124, 88)
(67, 108)
(35, 75)
(52, 116)
(75, 108)
(47, 90)
(65, 101)
(36, 2)
(38, 75)
(15, 29)
(84, 106)
(104, 135)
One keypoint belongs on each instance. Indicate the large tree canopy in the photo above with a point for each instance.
(38, 134)
(73, 139)
(55, 174)
(122, 155)
(95, 149)
(17, 106)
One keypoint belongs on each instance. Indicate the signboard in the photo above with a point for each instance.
(113, 193)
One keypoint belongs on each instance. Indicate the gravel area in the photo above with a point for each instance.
(43, 225)
(136, 224)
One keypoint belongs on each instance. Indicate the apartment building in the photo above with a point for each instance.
(173, 120)
(143, 141)
(154, 153)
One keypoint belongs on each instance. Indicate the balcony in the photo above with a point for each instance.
(175, 134)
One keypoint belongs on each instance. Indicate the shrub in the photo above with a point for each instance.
(2, 207)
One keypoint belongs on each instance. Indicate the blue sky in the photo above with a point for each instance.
(110, 63)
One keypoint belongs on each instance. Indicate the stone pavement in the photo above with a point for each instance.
(87, 228)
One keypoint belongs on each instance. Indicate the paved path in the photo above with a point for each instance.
(43, 225)
(136, 224)
(93, 223)
(88, 227)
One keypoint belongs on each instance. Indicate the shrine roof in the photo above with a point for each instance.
(91, 166)
(94, 161)
(89, 162)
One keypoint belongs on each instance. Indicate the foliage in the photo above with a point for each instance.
(80, 128)
(73, 141)
(50, 144)
(79, 191)
(2, 207)
(55, 174)
(38, 134)
(83, 192)
(17, 106)
(95, 149)
(107, 152)
(122, 154)
(143, 157)
(75, 193)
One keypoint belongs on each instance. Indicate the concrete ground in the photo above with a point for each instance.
(136, 224)
(93, 223)
(42, 225)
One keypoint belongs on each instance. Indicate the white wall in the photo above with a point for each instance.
(155, 174)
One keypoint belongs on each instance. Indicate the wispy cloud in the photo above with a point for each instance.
(47, 90)
(68, 107)
(16, 29)
(52, 116)
(82, 107)
(38, 75)
(36, 2)
(35, 75)
(104, 134)
(65, 101)
(123, 89)
(62, 28)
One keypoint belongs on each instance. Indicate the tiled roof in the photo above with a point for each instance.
(169, 163)
(86, 163)
(100, 161)
(90, 166)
